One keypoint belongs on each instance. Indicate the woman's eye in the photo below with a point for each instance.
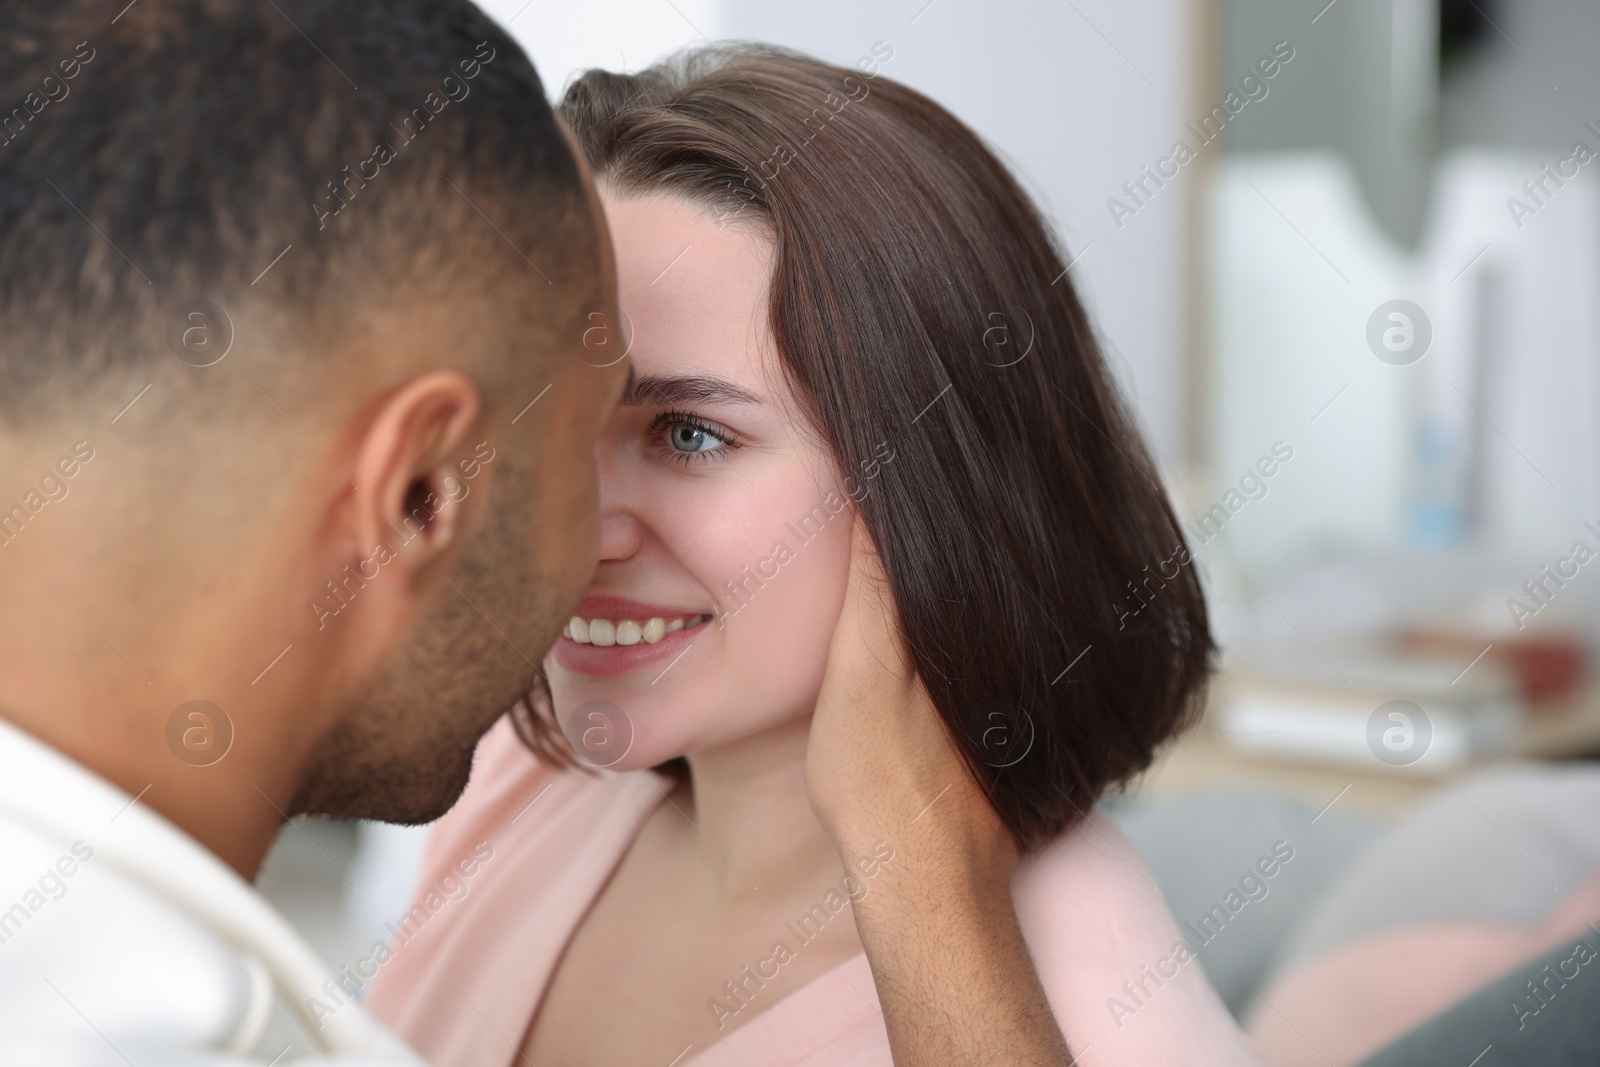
(687, 439)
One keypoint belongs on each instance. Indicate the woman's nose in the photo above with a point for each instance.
(620, 537)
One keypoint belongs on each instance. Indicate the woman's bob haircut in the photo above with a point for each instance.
(1041, 579)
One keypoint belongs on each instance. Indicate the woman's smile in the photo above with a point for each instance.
(613, 635)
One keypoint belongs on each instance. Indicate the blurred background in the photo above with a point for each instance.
(1344, 258)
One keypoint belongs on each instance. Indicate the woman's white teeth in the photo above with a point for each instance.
(608, 632)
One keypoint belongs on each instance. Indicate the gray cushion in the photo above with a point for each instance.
(1201, 846)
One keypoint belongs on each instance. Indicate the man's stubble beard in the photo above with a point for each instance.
(403, 752)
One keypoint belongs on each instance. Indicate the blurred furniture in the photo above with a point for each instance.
(1206, 758)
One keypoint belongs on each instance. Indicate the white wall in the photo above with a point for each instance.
(564, 37)
(1078, 97)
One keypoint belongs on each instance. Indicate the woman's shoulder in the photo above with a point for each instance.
(1097, 869)
(1116, 969)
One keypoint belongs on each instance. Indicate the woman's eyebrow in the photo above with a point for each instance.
(685, 389)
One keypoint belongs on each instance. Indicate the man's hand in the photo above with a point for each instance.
(954, 977)
(879, 751)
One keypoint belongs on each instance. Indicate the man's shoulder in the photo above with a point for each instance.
(80, 942)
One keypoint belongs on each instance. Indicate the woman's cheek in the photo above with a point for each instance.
(785, 611)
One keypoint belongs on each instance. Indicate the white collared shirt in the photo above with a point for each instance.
(124, 941)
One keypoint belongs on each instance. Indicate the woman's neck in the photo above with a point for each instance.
(750, 804)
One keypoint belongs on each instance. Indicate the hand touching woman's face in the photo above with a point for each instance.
(724, 525)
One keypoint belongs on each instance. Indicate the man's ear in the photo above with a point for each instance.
(409, 492)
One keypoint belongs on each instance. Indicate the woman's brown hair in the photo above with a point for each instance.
(918, 299)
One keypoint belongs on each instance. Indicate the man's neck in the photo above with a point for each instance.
(221, 805)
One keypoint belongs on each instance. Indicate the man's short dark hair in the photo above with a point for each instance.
(251, 154)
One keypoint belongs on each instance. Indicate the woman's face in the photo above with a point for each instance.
(724, 525)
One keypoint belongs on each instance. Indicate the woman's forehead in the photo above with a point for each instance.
(695, 293)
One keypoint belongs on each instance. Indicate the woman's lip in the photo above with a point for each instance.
(611, 660)
(598, 606)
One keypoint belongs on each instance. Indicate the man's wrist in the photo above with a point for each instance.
(920, 879)
(952, 838)
(940, 930)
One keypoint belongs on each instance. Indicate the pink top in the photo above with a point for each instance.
(514, 867)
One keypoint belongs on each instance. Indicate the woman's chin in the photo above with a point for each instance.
(646, 754)
(624, 725)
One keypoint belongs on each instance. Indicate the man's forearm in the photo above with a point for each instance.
(955, 981)
(954, 977)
